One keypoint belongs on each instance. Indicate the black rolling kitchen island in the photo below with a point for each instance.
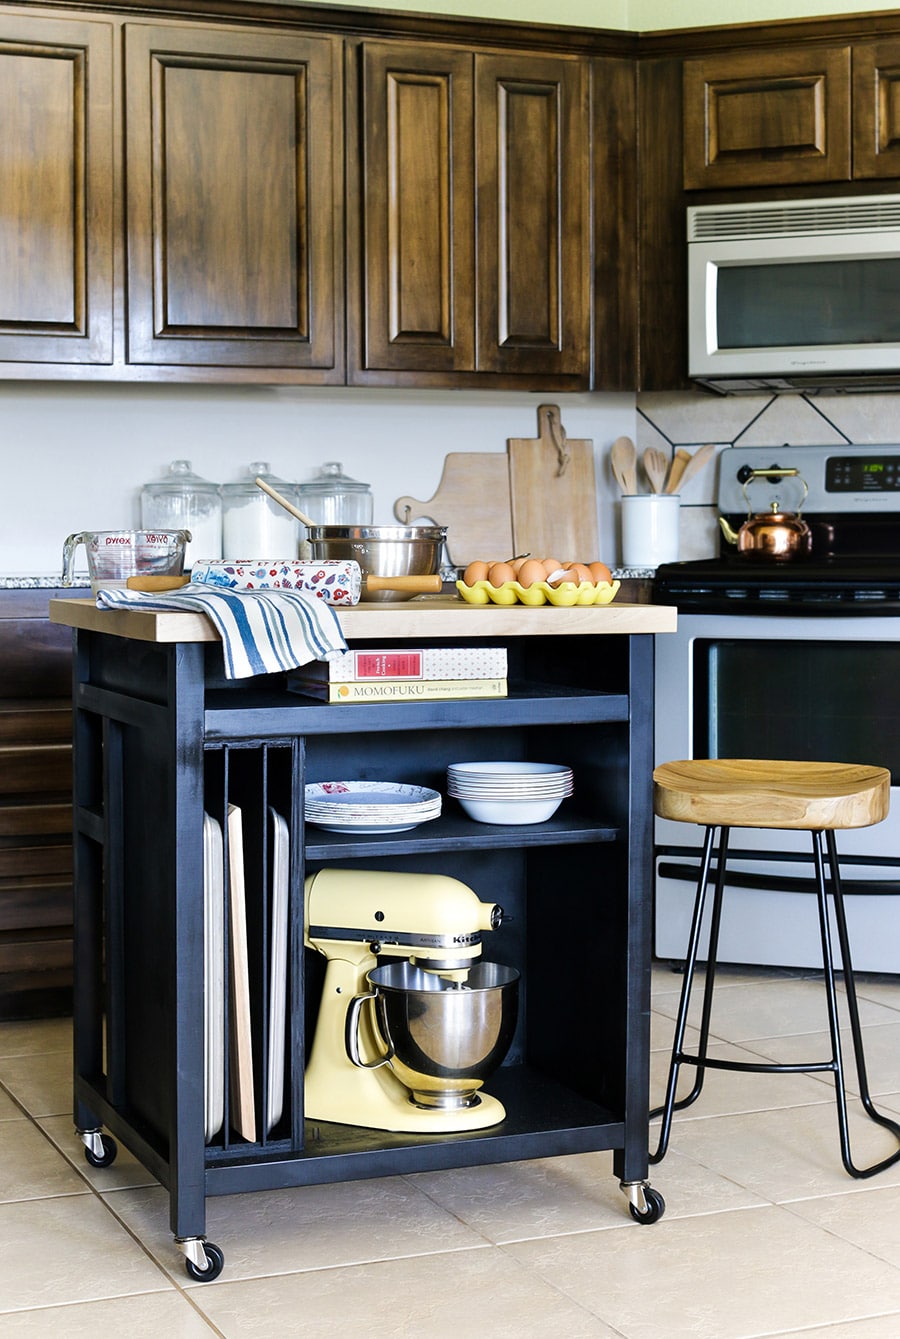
(164, 744)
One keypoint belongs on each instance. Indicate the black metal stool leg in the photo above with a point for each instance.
(852, 1008)
(679, 1057)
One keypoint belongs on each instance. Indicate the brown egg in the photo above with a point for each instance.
(476, 571)
(500, 573)
(557, 577)
(531, 571)
(600, 573)
(551, 565)
(518, 563)
(578, 572)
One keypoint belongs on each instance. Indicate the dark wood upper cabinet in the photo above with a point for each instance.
(767, 118)
(532, 164)
(56, 183)
(876, 109)
(417, 204)
(469, 217)
(234, 206)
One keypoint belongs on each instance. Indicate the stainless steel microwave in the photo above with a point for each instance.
(795, 294)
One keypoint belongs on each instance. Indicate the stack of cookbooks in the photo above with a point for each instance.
(411, 674)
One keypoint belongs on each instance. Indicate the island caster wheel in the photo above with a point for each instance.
(215, 1263)
(655, 1207)
(100, 1150)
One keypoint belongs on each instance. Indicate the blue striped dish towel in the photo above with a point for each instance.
(262, 631)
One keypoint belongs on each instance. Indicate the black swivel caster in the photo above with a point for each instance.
(655, 1207)
(99, 1149)
(645, 1204)
(214, 1260)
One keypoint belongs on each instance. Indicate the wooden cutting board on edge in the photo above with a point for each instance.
(472, 501)
(553, 493)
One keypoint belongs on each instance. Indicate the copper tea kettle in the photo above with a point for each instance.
(775, 533)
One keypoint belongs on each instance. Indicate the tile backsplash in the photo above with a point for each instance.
(691, 419)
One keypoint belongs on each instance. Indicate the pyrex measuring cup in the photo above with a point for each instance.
(115, 555)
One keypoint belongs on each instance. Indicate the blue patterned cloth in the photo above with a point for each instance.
(262, 631)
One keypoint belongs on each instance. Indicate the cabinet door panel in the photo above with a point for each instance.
(756, 118)
(233, 221)
(56, 182)
(418, 227)
(876, 109)
(532, 157)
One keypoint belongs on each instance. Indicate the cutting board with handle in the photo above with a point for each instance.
(553, 492)
(472, 501)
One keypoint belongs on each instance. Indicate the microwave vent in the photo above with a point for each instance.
(794, 218)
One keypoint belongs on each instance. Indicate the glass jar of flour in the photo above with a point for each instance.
(253, 524)
(183, 501)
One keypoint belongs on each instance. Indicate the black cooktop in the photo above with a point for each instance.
(737, 582)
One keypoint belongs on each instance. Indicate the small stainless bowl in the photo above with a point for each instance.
(445, 1038)
(382, 550)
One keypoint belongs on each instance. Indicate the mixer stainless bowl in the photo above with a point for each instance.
(444, 1038)
(382, 550)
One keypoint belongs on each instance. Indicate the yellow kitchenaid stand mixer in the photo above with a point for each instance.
(433, 922)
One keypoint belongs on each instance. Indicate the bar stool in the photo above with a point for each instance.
(748, 793)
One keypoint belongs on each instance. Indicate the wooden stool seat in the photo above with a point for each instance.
(821, 797)
(761, 793)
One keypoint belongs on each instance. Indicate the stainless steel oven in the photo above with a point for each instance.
(790, 659)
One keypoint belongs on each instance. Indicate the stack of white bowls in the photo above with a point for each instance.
(509, 792)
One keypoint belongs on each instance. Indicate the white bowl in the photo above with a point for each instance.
(511, 811)
(503, 771)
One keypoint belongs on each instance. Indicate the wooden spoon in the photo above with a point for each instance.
(283, 502)
(679, 465)
(655, 467)
(695, 464)
(623, 459)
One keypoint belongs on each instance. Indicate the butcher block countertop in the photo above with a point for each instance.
(427, 616)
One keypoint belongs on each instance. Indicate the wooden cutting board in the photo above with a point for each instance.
(553, 493)
(472, 501)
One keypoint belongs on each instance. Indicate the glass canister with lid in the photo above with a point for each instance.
(254, 525)
(331, 497)
(182, 500)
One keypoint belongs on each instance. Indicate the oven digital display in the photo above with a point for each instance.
(809, 701)
(862, 474)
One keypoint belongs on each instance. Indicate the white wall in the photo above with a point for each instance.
(75, 457)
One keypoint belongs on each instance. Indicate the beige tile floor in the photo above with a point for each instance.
(764, 1233)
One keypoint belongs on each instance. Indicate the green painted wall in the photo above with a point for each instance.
(651, 15)
(632, 15)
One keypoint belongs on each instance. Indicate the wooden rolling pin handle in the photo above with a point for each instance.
(157, 583)
(428, 585)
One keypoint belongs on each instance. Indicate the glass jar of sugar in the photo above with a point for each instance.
(254, 525)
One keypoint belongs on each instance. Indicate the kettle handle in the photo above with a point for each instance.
(68, 568)
(351, 1035)
(774, 472)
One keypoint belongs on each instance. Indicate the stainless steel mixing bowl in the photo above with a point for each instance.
(445, 1038)
(382, 550)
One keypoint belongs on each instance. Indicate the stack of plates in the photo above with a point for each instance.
(370, 806)
(509, 792)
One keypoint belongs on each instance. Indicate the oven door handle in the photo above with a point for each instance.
(777, 883)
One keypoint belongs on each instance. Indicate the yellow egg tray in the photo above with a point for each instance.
(566, 594)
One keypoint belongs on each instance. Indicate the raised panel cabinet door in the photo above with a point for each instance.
(56, 184)
(767, 118)
(234, 214)
(417, 203)
(876, 109)
(533, 166)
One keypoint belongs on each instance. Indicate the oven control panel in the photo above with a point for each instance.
(840, 478)
(862, 474)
